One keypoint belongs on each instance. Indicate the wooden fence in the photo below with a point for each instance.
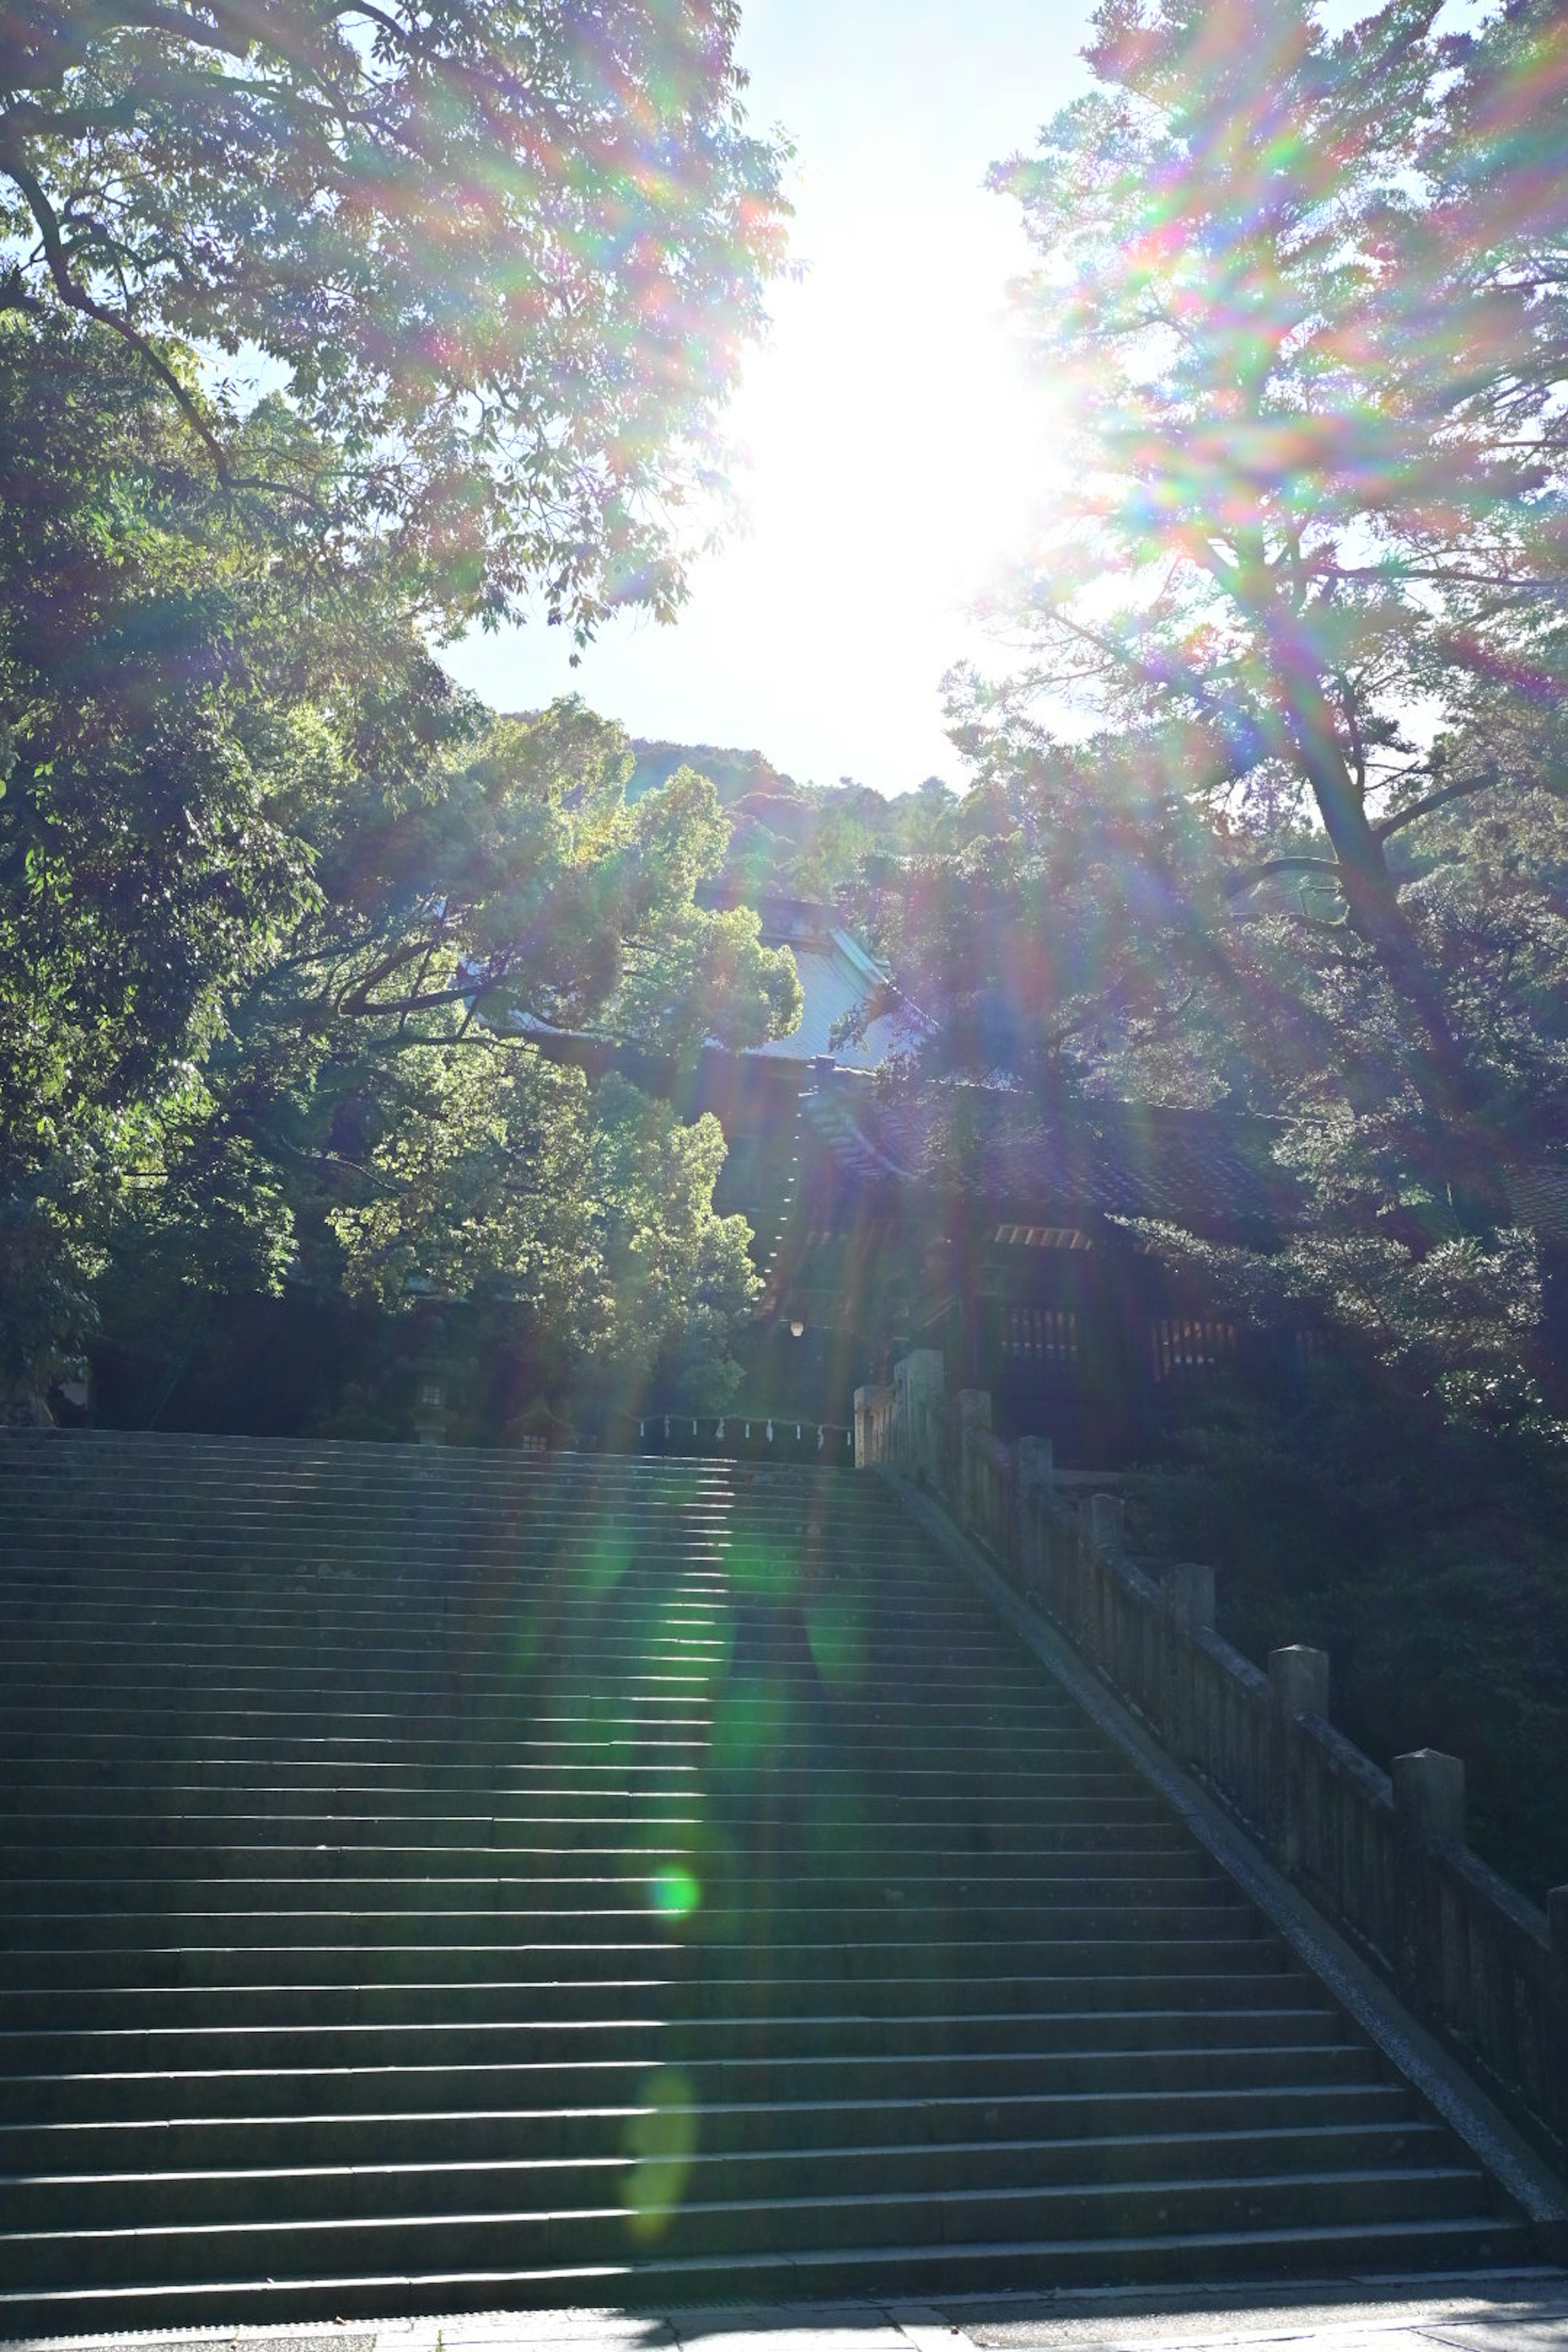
(1382, 1855)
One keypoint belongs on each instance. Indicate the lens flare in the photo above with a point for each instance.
(674, 1893)
(661, 2141)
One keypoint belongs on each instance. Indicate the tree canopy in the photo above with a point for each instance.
(324, 330)
(279, 906)
(1312, 510)
(501, 261)
(1272, 814)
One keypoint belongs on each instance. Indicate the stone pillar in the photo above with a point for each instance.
(1187, 1607)
(1298, 1680)
(1557, 1922)
(1103, 1522)
(1298, 1686)
(1101, 1532)
(1428, 1812)
(973, 1412)
(865, 1452)
(1429, 1798)
(919, 1381)
(920, 1373)
(1035, 1458)
(1036, 1468)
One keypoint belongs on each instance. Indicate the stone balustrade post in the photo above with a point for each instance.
(1428, 1812)
(1035, 1458)
(870, 1425)
(1101, 1534)
(1103, 1522)
(919, 1379)
(1187, 1607)
(1557, 1925)
(974, 1414)
(1429, 1797)
(1298, 1686)
(1035, 1482)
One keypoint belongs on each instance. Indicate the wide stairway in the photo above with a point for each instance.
(442, 1880)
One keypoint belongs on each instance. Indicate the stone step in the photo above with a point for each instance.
(437, 1881)
(60, 1977)
(419, 2189)
(576, 2234)
(1093, 2061)
(229, 1843)
(637, 1678)
(973, 1918)
(336, 1466)
(525, 1904)
(404, 1649)
(1268, 2010)
(626, 1990)
(925, 2269)
(471, 1792)
(642, 1748)
(160, 2148)
(584, 1892)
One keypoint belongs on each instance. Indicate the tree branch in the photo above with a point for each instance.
(150, 16)
(355, 998)
(77, 299)
(1457, 791)
(1239, 882)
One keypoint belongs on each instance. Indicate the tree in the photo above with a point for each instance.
(1299, 303)
(1299, 452)
(257, 854)
(501, 259)
(585, 1217)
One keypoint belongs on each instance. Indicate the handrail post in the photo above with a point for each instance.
(974, 1414)
(1103, 1519)
(919, 1380)
(873, 1406)
(1299, 1684)
(1187, 1607)
(1557, 1922)
(1429, 1810)
(1033, 1482)
(1102, 1536)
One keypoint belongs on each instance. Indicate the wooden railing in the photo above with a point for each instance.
(1380, 1855)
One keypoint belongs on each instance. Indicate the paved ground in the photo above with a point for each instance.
(1503, 2312)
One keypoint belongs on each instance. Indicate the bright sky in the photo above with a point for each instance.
(891, 445)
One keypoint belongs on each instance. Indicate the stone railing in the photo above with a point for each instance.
(1381, 1856)
(740, 1435)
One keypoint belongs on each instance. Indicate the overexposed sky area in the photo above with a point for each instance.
(891, 446)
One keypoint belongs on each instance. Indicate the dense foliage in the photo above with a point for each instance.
(278, 904)
(501, 260)
(1301, 306)
(794, 840)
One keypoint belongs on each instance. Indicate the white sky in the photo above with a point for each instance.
(891, 446)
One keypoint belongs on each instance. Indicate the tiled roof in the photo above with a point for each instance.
(832, 983)
(1201, 1169)
(1116, 1159)
(1539, 1198)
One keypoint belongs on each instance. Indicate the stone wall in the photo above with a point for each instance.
(1382, 1855)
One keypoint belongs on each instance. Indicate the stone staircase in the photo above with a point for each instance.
(441, 1880)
